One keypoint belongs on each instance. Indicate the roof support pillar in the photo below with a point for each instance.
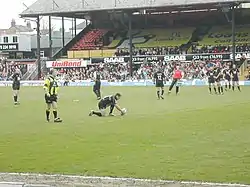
(50, 38)
(130, 43)
(38, 47)
(75, 25)
(63, 33)
(233, 32)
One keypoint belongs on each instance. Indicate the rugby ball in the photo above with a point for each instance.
(124, 111)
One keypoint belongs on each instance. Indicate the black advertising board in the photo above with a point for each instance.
(8, 47)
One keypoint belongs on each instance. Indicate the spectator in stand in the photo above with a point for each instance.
(197, 49)
(151, 51)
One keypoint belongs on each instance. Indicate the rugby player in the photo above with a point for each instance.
(104, 103)
(51, 93)
(235, 77)
(177, 76)
(16, 85)
(211, 80)
(218, 80)
(159, 79)
(227, 77)
(97, 85)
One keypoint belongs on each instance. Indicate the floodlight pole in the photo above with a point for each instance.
(130, 44)
(233, 33)
(38, 47)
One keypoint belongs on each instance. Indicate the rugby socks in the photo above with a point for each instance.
(162, 92)
(239, 88)
(97, 113)
(221, 89)
(177, 89)
(55, 114)
(158, 94)
(233, 87)
(210, 89)
(47, 114)
(229, 86)
(226, 86)
(15, 98)
(215, 90)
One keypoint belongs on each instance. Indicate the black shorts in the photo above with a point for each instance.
(211, 81)
(52, 98)
(97, 85)
(16, 86)
(228, 78)
(159, 84)
(235, 79)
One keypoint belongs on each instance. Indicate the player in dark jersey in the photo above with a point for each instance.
(105, 102)
(159, 79)
(235, 77)
(227, 77)
(218, 80)
(211, 80)
(16, 77)
(97, 85)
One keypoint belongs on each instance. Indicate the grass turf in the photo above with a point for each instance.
(194, 136)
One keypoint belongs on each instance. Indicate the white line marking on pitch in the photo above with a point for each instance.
(64, 177)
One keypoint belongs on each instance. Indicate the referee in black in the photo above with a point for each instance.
(97, 85)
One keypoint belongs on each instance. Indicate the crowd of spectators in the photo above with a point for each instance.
(195, 49)
(8, 68)
(120, 71)
(151, 51)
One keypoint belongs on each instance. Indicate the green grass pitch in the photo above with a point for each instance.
(193, 136)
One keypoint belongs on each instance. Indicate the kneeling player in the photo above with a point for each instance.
(104, 103)
(235, 77)
(159, 79)
(177, 76)
(16, 85)
(51, 92)
(211, 81)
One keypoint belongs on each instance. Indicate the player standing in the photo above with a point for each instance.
(211, 80)
(16, 85)
(97, 85)
(51, 93)
(227, 77)
(159, 79)
(107, 101)
(177, 76)
(218, 80)
(235, 77)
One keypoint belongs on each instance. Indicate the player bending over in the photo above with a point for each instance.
(177, 76)
(104, 103)
(211, 80)
(159, 79)
(218, 80)
(97, 85)
(16, 85)
(227, 77)
(51, 92)
(235, 77)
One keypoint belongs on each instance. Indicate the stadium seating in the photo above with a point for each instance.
(91, 40)
(222, 35)
(159, 38)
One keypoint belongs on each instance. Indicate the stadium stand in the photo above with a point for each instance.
(91, 40)
(219, 39)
